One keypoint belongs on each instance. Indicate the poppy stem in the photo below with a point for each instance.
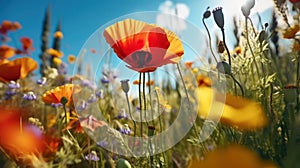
(227, 50)
(238, 83)
(150, 97)
(140, 101)
(160, 125)
(209, 39)
(144, 98)
(250, 48)
(134, 123)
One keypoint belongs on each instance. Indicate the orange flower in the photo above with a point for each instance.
(6, 52)
(55, 95)
(15, 142)
(54, 53)
(144, 47)
(232, 156)
(150, 83)
(58, 35)
(71, 59)
(26, 44)
(136, 82)
(188, 64)
(203, 81)
(57, 61)
(234, 110)
(17, 69)
(74, 124)
(291, 32)
(9, 26)
(238, 50)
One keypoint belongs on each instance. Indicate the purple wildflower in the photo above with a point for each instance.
(92, 156)
(42, 81)
(102, 143)
(100, 94)
(82, 105)
(92, 99)
(89, 84)
(62, 68)
(104, 80)
(56, 104)
(125, 130)
(29, 96)
(13, 85)
(122, 114)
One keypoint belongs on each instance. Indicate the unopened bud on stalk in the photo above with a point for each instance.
(224, 67)
(219, 17)
(125, 85)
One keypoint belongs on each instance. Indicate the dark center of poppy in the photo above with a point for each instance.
(141, 58)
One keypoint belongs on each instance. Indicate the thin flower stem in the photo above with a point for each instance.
(150, 97)
(238, 83)
(187, 96)
(131, 117)
(209, 38)
(144, 97)
(65, 110)
(252, 25)
(160, 124)
(141, 109)
(227, 50)
(250, 48)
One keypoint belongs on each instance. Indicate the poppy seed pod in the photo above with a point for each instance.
(250, 4)
(125, 85)
(224, 67)
(219, 17)
(245, 10)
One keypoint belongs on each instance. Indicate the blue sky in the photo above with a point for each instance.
(81, 18)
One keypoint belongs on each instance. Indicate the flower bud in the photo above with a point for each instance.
(221, 47)
(224, 67)
(125, 85)
(206, 14)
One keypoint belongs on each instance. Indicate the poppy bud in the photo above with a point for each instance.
(224, 67)
(206, 14)
(125, 85)
(250, 4)
(245, 10)
(262, 36)
(122, 163)
(221, 47)
(219, 17)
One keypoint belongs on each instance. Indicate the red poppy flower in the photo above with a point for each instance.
(294, 1)
(6, 52)
(17, 69)
(9, 26)
(26, 44)
(143, 46)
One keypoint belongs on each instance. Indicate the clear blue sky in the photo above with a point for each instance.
(81, 18)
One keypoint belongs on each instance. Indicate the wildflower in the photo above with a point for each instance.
(29, 96)
(203, 81)
(188, 64)
(62, 68)
(55, 105)
(104, 80)
(58, 35)
(227, 157)
(92, 156)
(91, 123)
(100, 94)
(9, 26)
(26, 45)
(17, 69)
(150, 83)
(243, 113)
(93, 98)
(42, 81)
(291, 32)
(71, 59)
(122, 114)
(144, 47)
(57, 61)
(54, 53)
(89, 84)
(55, 95)
(219, 17)
(15, 142)
(74, 123)
(207, 13)
(125, 85)
(125, 130)
(82, 106)
(6, 52)
(52, 73)
(136, 82)
(238, 50)
(102, 143)
(13, 85)
(296, 46)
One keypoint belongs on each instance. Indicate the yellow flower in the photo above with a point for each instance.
(238, 50)
(57, 61)
(234, 110)
(71, 59)
(54, 53)
(291, 32)
(232, 156)
(58, 35)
